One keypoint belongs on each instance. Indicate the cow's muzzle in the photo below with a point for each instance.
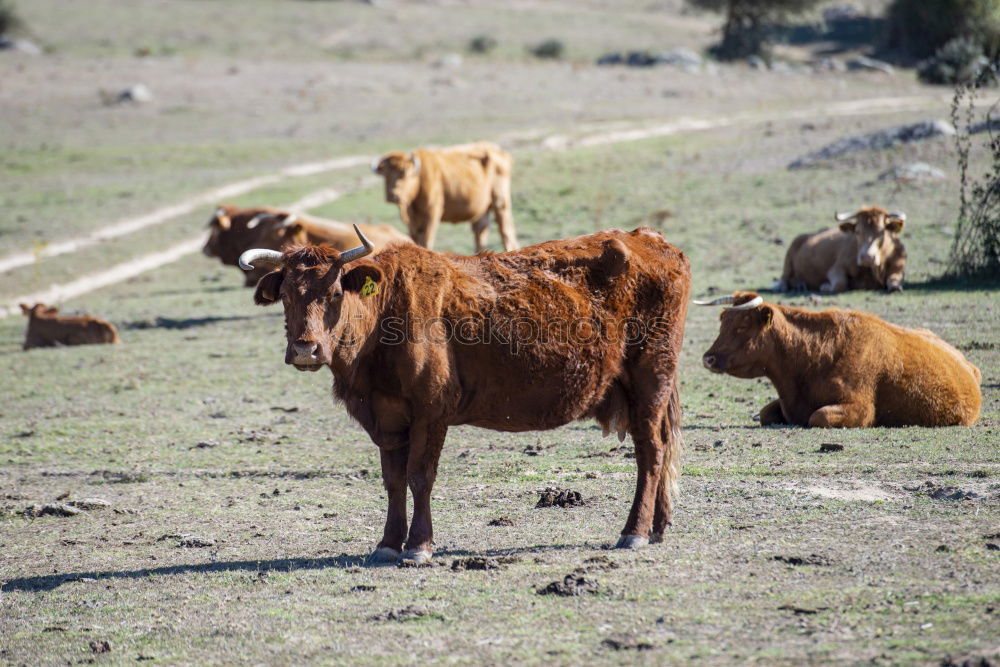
(305, 355)
(713, 363)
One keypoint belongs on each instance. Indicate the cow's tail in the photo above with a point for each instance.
(500, 160)
(673, 440)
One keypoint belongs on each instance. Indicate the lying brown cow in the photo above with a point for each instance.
(844, 368)
(419, 341)
(46, 328)
(457, 184)
(233, 230)
(864, 252)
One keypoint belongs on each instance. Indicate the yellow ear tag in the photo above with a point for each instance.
(370, 288)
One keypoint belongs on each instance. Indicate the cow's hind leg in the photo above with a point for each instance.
(504, 216)
(670, 433)
(426, 441)
(394, 480)
(843, 415)
(481, 230)
(645, 430)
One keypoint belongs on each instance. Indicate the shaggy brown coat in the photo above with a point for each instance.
(456, 184)
(233, 229)
(583, 328)
(843, 368)
(46, 328)
(864, 252)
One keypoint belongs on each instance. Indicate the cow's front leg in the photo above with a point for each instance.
(836, 281)
(394, 480)
(843, 415)
(426, 441)
(772, 414)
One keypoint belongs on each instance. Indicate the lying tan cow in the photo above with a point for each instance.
(840, 368)
(864, 252)
(46, 328)
(456, 184)
(233, 230)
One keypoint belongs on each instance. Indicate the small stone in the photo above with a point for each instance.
(195, 542)
(90, 504)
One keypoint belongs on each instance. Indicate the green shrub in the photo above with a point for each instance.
(482, 44)
(550, 48)
(958, 61)
(918, 28)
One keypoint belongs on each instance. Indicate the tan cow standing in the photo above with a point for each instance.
(457, 184)
(843, 368)
(864, 252)
(233, 229)
(46, 328)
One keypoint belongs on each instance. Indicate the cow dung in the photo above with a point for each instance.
(51, 509)
(572, 585)
(623, 642)
(552, 497)
(501, 521)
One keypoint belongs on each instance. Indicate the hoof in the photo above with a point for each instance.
(416, 556)
(655, 538)
(631, 542)
(383, 556)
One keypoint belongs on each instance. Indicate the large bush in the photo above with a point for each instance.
(748, 24)
(959, 61)
(918, 28)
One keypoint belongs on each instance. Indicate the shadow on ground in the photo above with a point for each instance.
(50, 582)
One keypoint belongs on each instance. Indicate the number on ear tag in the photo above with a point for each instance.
(370, 288)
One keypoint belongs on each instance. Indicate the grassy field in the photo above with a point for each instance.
(885, 552)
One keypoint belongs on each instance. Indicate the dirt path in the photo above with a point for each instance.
(126, 270)
(160, 215)
(134, 267)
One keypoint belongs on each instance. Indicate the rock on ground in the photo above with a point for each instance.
(879, 140)
(914, 171)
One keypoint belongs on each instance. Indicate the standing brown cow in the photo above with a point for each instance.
(233, 230)
(46, 328)
(864, 252)
(418, 341)
(456, 184)
(843, 368)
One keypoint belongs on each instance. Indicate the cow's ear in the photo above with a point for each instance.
(894, 225)
(847, 227)
(766, 315)
(268, 288)
(296, 234)
(365, 280)
(25, 308)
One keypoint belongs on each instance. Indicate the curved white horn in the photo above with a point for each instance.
(416, 163)
(375, 163)
(289, 220)
(749, 305)
(366, 248)
(844, 216)
(262, 257)
(256, 220)
(715, 302)
(897, 214)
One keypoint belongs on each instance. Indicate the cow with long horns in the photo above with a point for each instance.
(843, 368)
(418, 341)
(233, 230)
(456, 184)
(863, 252)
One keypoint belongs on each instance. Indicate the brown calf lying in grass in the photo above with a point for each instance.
(842, 368)
(46, 328)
